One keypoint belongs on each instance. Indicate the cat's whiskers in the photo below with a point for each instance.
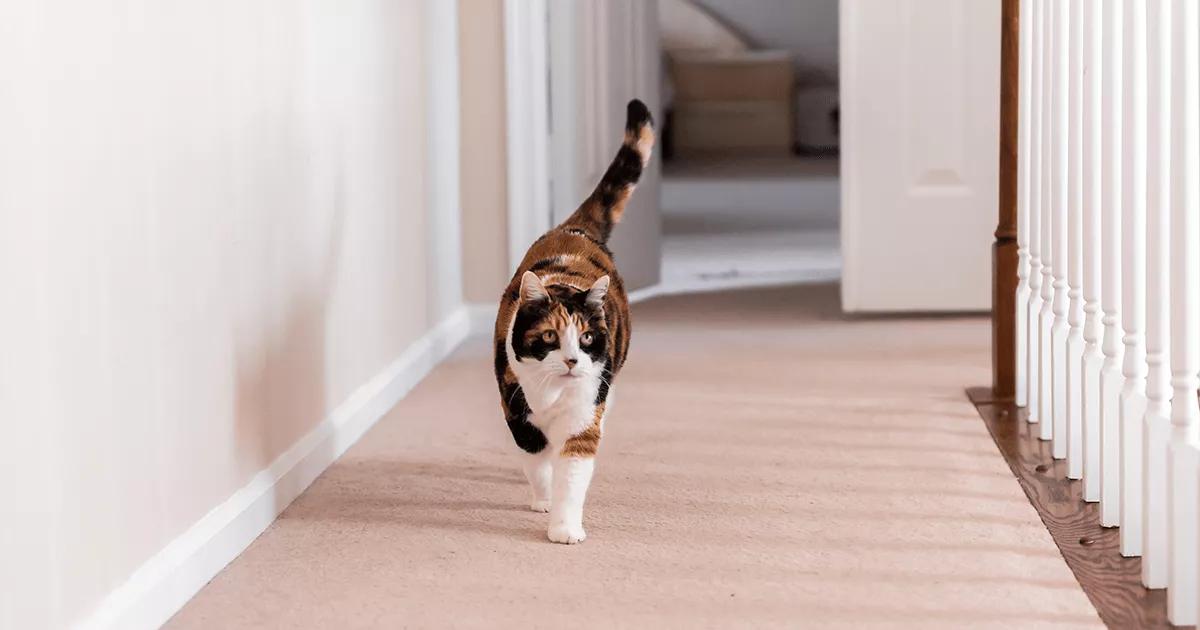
(604, 380)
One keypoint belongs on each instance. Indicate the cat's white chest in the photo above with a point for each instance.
(561, 411)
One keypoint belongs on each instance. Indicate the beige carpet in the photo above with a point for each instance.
(767, 463)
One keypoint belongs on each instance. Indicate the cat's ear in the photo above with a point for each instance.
(532, 289)
(595, 296)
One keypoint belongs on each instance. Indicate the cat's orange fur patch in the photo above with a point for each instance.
(586, 442)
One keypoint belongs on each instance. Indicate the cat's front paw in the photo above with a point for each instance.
(540, 505)
(566, 534)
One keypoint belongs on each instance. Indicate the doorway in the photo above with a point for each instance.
(879, 170)
(750, 193)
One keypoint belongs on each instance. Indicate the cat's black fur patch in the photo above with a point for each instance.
(528, 315)
(605, 378)
(528, 437)
(500, 361)
(637, 115)
(599, 343)
(555, 266)
(599, 264)
(619, 340)
(623, 172)
(544, 263)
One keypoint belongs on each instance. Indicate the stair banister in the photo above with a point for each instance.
(1185, 313)
(1093, 330)
(1157, 422)
(1133, 273)
(1111, 163)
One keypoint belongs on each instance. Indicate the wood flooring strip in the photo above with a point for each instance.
(1113, 583)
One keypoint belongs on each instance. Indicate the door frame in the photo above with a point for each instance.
(442, 147)
(561, 123)
(848, 213)
(528, 123)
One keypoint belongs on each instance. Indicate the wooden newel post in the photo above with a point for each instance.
(1004, 251)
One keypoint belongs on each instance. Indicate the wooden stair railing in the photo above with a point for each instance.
(1096, 293)
(1004, 250)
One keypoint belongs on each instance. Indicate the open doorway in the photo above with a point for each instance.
(895, 205)
(750, 189)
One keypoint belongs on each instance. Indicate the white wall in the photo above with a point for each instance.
(214, 228)
(807, 28)
(484, 152)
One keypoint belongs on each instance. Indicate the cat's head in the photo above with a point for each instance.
(561, 329)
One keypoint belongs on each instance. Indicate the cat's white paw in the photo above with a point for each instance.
(566, 533)
(540, 505)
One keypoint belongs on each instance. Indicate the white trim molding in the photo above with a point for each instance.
(442, 151)
(525, 78)
(164, 583)
(848, 64)
(482, 317)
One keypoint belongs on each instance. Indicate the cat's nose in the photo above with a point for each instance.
(571, 363)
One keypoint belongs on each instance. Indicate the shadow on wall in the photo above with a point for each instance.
(281, 388)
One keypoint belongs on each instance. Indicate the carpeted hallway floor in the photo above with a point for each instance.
(767, 463)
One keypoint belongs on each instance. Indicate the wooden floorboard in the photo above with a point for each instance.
(1113, 583)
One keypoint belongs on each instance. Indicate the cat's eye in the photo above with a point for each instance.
(549, 336)
(586, 339)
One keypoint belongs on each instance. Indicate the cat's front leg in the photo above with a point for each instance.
(539, 472)
(572, 476)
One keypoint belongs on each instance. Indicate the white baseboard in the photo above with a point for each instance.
(765, 281)
(483, 318)
(161, 586)
(645, 293)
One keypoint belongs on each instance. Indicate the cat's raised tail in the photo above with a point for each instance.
(603, 208)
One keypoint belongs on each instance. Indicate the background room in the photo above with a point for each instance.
(750, 192)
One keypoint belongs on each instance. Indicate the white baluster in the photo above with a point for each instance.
(1058, 229)
(1093, 356)
(1037, 109)
(1157, 429)
(1133, 275)
(1075, 247)
(1024, 138)
(1050, 133)
(1185, 313)
(1110, 378)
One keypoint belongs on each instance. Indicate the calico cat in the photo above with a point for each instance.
(562, 333)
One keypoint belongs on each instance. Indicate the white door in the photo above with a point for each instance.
(920, 83)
